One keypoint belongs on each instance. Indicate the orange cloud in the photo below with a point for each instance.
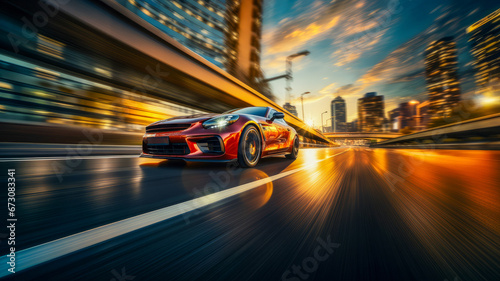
(327, 89)
(299, 37)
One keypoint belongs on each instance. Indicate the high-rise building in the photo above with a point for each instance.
(422, 116)
(442, 77)
(393, 118)
(225, 32)
(412, 114)
(291, 108)
(352, 126)
(485, 42)
(407, 114)
(198, 25)
(338, 113)
(371, 113)
(246, 24)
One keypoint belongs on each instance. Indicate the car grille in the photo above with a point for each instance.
(211, 145)
(166, 149)
(167, 127)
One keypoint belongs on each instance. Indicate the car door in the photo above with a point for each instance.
(284, 133)
(271, 132)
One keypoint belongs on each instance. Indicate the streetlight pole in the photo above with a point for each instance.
(334, 117)
(288, 74)
(326, 121)
(322, 127)
(302, 101)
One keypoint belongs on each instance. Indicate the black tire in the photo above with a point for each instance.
(295, 149)
(250, 147)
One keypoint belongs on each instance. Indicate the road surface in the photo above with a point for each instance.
(332, 214)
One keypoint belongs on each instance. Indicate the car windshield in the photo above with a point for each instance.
(259, 111)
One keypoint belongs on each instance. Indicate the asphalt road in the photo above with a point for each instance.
(332, 214)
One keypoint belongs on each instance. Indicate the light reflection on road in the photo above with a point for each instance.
(426, 215)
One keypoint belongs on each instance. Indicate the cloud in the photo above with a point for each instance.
(311, 31)
(296, 33)
(327, 89)
(354, 49)
(329, 92)
(363, 28)
(352, 29)
(325, 92)
(408, 76)
(347, 90)
(283, 21)
(311, 98)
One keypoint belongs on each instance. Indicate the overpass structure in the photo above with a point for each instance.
(362, 135)
(120, 49)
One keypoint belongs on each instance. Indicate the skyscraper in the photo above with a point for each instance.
(485, 42)
(291, 108)
(442, 77)
(352, 126)
(198, 25)
(370, 113)
(393, 119)
(338, 113)
(244, 38)
(407, 114)
(422, 116)
(225, 32)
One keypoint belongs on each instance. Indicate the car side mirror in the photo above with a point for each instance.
(277, 115)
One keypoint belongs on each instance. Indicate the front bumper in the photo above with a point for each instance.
(144, 155)
(194, 144)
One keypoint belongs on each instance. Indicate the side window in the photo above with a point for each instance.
(271, 112)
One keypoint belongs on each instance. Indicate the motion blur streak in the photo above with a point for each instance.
(397, 215)
(55, 249)
(64, 158)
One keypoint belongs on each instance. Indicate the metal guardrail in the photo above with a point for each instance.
(479, 126)
(306, 144)
(363, 135)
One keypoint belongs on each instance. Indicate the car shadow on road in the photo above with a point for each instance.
(209, 176)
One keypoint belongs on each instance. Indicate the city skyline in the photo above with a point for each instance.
(360, 47)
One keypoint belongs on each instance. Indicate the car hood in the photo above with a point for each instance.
(189, 119)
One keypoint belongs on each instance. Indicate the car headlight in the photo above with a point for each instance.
(220, 121)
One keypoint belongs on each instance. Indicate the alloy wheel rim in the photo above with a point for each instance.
(251, 150)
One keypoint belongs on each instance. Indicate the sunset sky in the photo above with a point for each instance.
(363, 46)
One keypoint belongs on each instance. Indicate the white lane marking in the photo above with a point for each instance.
(51, 250)
(65, 158)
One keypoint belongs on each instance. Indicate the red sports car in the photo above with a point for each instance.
(245, 135)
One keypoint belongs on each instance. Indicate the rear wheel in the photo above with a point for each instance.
(295, 149)
(250, 147)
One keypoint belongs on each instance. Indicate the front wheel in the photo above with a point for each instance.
(250, 147)
(295, 149)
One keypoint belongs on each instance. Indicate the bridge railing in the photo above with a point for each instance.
(485, 128)
(368, 135)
